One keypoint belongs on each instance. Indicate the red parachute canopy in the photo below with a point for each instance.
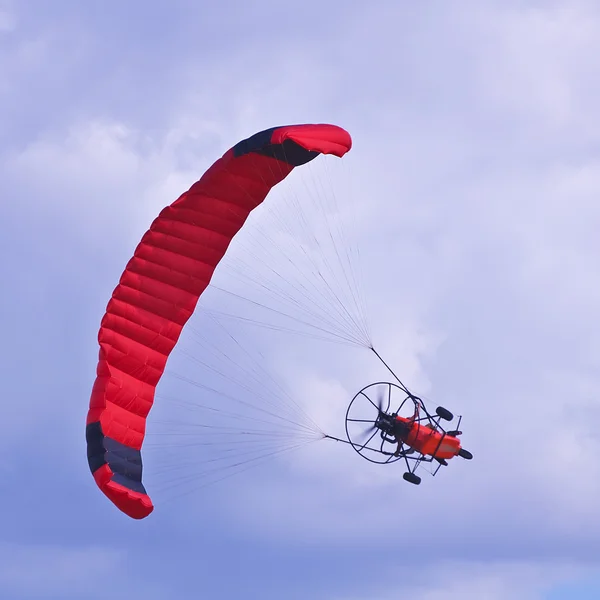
(160, 287)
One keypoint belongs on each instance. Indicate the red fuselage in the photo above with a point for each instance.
(428, 441)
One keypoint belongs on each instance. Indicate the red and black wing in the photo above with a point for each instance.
(160, 287)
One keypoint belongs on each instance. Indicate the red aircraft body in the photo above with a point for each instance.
(423, 438)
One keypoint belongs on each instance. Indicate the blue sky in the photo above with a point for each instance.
(475, 175)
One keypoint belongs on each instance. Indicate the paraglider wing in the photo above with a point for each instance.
(160, 287)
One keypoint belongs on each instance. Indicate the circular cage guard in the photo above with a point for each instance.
(369, 415)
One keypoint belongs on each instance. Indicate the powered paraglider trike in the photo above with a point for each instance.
(386, 423)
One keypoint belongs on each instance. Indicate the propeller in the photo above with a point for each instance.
(379, 400)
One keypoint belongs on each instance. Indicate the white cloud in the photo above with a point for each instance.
(96, 177)
(455, 580)
(39, 571)
(46, 571)
(537, 73)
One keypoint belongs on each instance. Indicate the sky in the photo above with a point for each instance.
(474, 176)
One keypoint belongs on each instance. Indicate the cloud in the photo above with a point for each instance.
(537, 75)
(37, 571)
(471, 580)
(59, 571)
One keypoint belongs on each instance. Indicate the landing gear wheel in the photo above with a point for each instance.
(411, 478)
(444, 413)
(465, 454)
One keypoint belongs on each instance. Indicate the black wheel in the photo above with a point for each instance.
(444, 413)
(411, 478)
(369, 417)
(465, 454)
